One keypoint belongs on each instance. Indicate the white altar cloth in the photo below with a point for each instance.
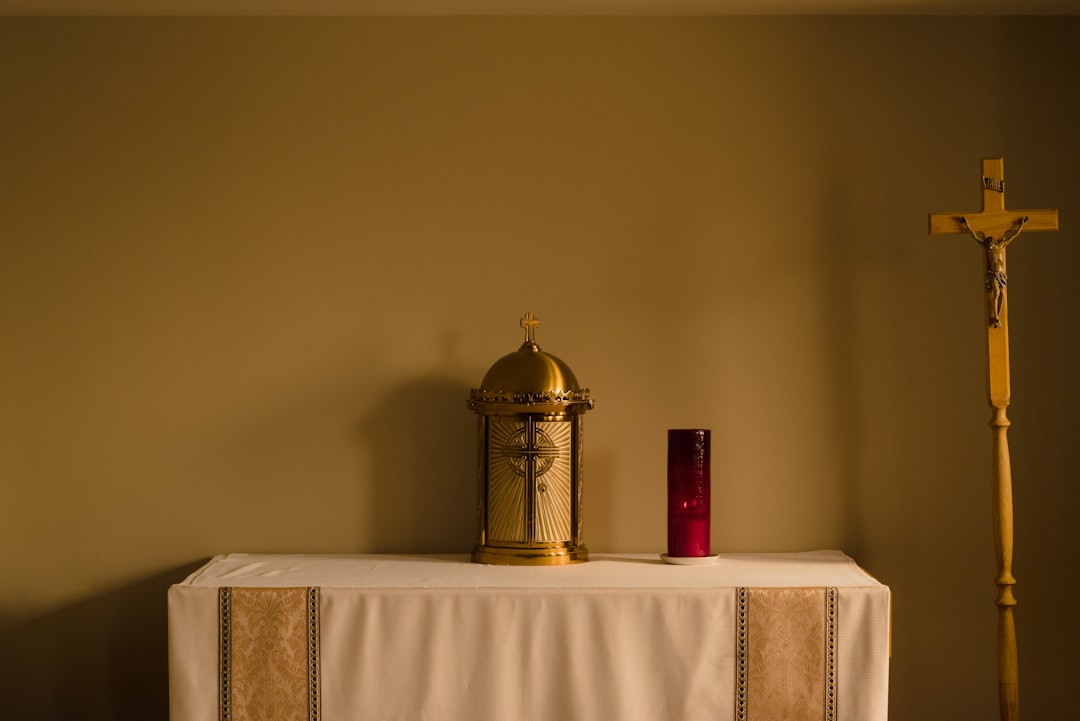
(622, 637)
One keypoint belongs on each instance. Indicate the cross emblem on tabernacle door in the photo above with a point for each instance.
(531, 448)
(994, 228)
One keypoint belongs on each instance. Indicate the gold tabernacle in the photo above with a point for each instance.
(529, 431)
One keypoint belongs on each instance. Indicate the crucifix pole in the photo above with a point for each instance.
(994, 228)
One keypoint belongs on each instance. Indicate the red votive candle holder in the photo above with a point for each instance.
(688, 492)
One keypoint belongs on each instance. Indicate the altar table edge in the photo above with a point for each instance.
(427, 616)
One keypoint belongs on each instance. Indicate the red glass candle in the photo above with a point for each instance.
(688, 492)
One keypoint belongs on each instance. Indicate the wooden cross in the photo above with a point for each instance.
(994, 228)
(529, 323)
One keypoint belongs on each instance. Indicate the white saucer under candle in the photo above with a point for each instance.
(688, 560)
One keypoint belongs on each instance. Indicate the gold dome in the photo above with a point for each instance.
(530, 369)
(530, 377)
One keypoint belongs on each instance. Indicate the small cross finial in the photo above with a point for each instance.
(529, 323)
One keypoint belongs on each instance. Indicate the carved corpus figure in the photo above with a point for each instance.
(996, 277)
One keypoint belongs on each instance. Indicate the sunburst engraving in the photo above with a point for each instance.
(529, 458)
(506, 486)
(553, 482)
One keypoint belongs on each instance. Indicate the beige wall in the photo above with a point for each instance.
(249, 270)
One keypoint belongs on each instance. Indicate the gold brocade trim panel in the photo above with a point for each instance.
(786, 654)
(269, 654)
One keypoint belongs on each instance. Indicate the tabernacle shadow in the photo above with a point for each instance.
(104, 658)
(420, 442)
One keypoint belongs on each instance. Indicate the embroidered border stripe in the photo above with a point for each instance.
(742, 608)
(832, 613)
(225, 654)
(314, 655)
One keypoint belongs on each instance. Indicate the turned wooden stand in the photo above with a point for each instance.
(994, 228)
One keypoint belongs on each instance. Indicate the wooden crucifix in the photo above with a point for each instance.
(994, 228)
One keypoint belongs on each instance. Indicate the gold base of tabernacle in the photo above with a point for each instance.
(558, 556)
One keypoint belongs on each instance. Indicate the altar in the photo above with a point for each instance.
(624, 637)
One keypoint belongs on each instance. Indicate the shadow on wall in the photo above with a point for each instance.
(421, 444)
(103, 658)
